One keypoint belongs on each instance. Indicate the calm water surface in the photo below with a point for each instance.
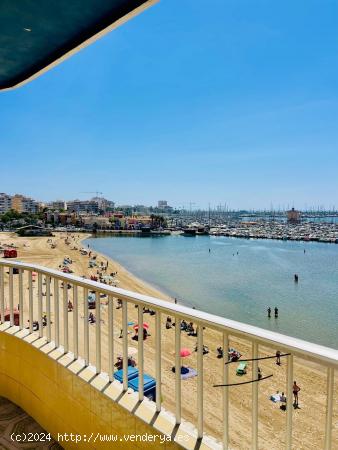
(241, 286)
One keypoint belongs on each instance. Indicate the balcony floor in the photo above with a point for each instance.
(14, 420)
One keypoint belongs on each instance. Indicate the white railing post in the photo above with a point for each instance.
(254, 396)
(178, 369)
(75, 322)
(98, 331)
(85, 326)
(40, 304)
(30, 301)
(158, 356)
(11, 307)
(140, 353)
(20, 299)
(111, 338)
(329, 408)
(225, 391)
(49, 331)
(289, 404)
(56, 312)
(65, 316)
(125, 343)
(199, 381)
(2, 293)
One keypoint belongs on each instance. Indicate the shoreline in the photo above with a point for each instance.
(308, 421)
(156, 290)
(161, 292)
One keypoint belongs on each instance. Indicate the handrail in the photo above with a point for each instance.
(327, 357)
(299, 347)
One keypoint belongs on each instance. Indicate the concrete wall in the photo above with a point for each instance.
(63, 396)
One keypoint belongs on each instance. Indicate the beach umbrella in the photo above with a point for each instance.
(16, 315)
(185, 352)
(145, 325)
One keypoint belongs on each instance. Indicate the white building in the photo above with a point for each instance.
(58, 204)
(5, 202)
(83, 206)
(162, 204)
(103, 203)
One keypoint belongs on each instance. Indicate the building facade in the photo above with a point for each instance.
(293, 216)
(22, 204)
(83, 206)
(58, 204)
(5, 202)
(93, 206)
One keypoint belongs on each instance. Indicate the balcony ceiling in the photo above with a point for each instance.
(35, 35)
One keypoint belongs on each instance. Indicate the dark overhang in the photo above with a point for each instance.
(35, 35)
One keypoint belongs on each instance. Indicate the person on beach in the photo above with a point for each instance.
(296, 278)
(276, 312)
(269, 312)
(278, 358)
(175, 301)
(91, 318)
(295, 390)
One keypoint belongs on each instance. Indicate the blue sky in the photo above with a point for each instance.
(214, 101)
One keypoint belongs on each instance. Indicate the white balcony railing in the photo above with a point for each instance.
(21, 275)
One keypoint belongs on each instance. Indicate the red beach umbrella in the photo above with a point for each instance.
(185, 352)
(145, 325)
(16, 315)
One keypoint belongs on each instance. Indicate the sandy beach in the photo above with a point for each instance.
(308, 420)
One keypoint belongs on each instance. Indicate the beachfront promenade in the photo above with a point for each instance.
(74, 363)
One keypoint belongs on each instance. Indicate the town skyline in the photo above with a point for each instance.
(241, 109)
(7, 199)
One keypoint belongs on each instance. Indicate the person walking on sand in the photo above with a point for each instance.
(276, 312)
(269, 312)
(295, 390)
(278, 358)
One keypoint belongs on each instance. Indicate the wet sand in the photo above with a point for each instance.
(308, 423)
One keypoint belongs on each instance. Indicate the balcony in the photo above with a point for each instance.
(66, 368)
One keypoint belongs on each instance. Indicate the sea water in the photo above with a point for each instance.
(240, 278)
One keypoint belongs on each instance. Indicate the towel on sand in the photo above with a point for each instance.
(190, 374)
